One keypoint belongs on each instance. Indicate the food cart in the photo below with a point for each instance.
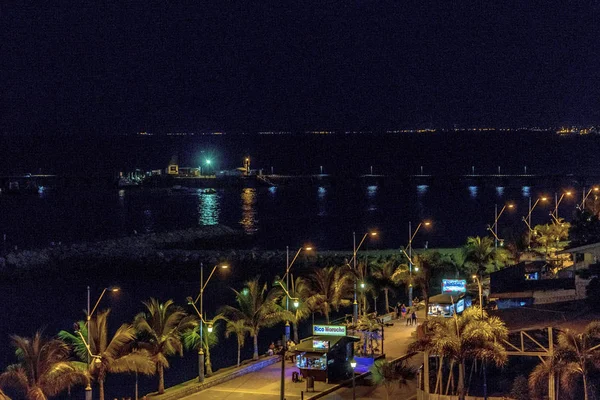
(326, 355)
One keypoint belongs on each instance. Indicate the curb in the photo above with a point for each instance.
(193, 386)
(356, 378)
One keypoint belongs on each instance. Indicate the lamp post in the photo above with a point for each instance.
(527, 219)
(88, 388)
(411, 236)
(287, 281)
(586, 195)
(200, 314)
(285, 339)
(494, 228)
(478, 280)
(355, 250)
(353, 365)
(557, 201)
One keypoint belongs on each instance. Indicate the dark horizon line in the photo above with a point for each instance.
(572, 130)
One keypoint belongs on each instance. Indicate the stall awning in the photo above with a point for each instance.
(444, 298)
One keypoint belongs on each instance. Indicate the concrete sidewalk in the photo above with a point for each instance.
(266, 382)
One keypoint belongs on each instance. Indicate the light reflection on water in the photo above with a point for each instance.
(321, 196)
(473, 191)
(249, 221)
(371, 195)
(208, 208)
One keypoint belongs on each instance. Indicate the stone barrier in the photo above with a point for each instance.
(191, 387)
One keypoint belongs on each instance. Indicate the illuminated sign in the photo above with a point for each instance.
(320, 344)
(460, 306)
(454, 286)
(329, 330)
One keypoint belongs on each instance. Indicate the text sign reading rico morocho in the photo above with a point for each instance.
(329, 330)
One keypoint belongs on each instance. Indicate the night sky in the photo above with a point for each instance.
(100, 69)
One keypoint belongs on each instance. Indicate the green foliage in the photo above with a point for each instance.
(479, 253)
(472, 335)
(332, 288)
(585, 228)
(43, 368)
(159, 331)
(576, 357)
(392, 376)
(258, 307)
(520, 389)
(113, 355)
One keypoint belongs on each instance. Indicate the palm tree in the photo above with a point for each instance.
(300, 289)
(191, 340)
(576, 355)
(258, 308)
(331, 288)
(426, 265)
(240, 330)
(159, 331)
(44, 368)
(113, 356)
(472, 335)
(383, 274)
(479, 252)
(392, 376)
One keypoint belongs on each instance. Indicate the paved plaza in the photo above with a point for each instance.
(265, 384)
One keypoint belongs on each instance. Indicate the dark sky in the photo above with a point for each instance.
(254, 65)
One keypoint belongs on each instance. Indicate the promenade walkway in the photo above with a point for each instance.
(265, 384)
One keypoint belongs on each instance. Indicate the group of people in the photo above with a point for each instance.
(276, 349)
(410, 314)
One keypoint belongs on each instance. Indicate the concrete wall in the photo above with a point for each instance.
(194, 386)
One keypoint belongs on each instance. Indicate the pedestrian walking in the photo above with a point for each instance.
(408, 319)
(403, 310)
(413, 318)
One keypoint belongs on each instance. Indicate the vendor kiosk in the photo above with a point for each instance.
(326, 355)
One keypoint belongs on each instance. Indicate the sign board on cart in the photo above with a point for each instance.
(450, 286)
(329, 330)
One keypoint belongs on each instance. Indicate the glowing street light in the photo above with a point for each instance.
(353, 365)
(411, 236)
(353, 260)
(494, 228)
(586, 195)
(287, 281)
(88, 388)
(201, 315)
(557, 201)
(527, 219)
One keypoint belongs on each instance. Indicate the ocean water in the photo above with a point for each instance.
(324, 212)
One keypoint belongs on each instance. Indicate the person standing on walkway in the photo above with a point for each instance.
(408, 320)
(403, 310)
(413, 318)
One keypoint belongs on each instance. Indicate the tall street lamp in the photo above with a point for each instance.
(287, 281)
(411, 236)
(494, 228)
(353, 365)
(88, 388)
(557, 201)
(478, 280)
(200, 314)
(586, 195)
(286, 338)
(527, 219)
(355, 305)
